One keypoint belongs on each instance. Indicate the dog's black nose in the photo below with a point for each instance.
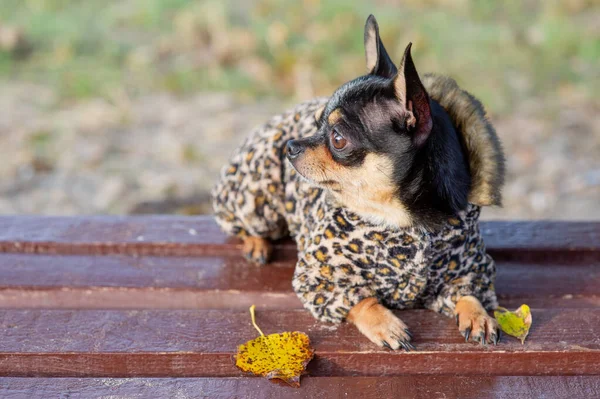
(294, 149)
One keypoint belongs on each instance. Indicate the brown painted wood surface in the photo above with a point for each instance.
(167, 296)
(421, 387)
(155, 343)
(199, 235)
(120, 281)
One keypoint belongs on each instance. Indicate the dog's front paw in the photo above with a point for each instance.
(380, 325)
(257, 250)
(474, 322)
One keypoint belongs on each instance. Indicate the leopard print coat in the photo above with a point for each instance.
(343, 258)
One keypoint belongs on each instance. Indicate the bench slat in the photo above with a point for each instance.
(332, 387)
(166, 298)
(181, 343)
(98, 235)
(119, 281)
(199, 235)
(86, 264)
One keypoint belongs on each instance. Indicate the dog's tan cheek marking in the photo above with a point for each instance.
(378, 170)
(369, 190)
(314, 163)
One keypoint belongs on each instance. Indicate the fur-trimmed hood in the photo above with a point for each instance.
(484, 151)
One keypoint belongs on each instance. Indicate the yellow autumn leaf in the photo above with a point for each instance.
(282, 356)
(515, 323)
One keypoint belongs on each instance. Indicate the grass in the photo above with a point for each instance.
(503, 52)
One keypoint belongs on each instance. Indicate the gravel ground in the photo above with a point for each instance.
(161, 154)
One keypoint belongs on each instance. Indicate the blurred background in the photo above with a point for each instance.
(132, 106)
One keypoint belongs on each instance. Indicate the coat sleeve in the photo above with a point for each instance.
(334, 271)
(466, 269)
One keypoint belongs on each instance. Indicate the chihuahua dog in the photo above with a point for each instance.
(381, 186)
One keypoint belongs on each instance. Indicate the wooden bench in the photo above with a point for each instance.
(113, 305)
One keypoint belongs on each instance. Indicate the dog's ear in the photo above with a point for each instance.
(378, 60)
(318, 113)
(413, 98)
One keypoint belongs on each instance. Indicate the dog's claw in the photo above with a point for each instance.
(379, 324)
(405, 345)
(475, 323)
(408, 333)
(481, 339)
(457, 320)
(494, 338)
(467, 333)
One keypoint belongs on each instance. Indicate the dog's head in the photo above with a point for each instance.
(372, 141)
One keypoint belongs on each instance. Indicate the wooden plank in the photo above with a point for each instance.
(166, 298)
(201, 343)
(199, 235)
(426, 387)
(211, 272)
(117, 281)
(216, 282)
(133, 235)
(548, 280)
(542, 235)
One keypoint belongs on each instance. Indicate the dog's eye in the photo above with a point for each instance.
(337, 140)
